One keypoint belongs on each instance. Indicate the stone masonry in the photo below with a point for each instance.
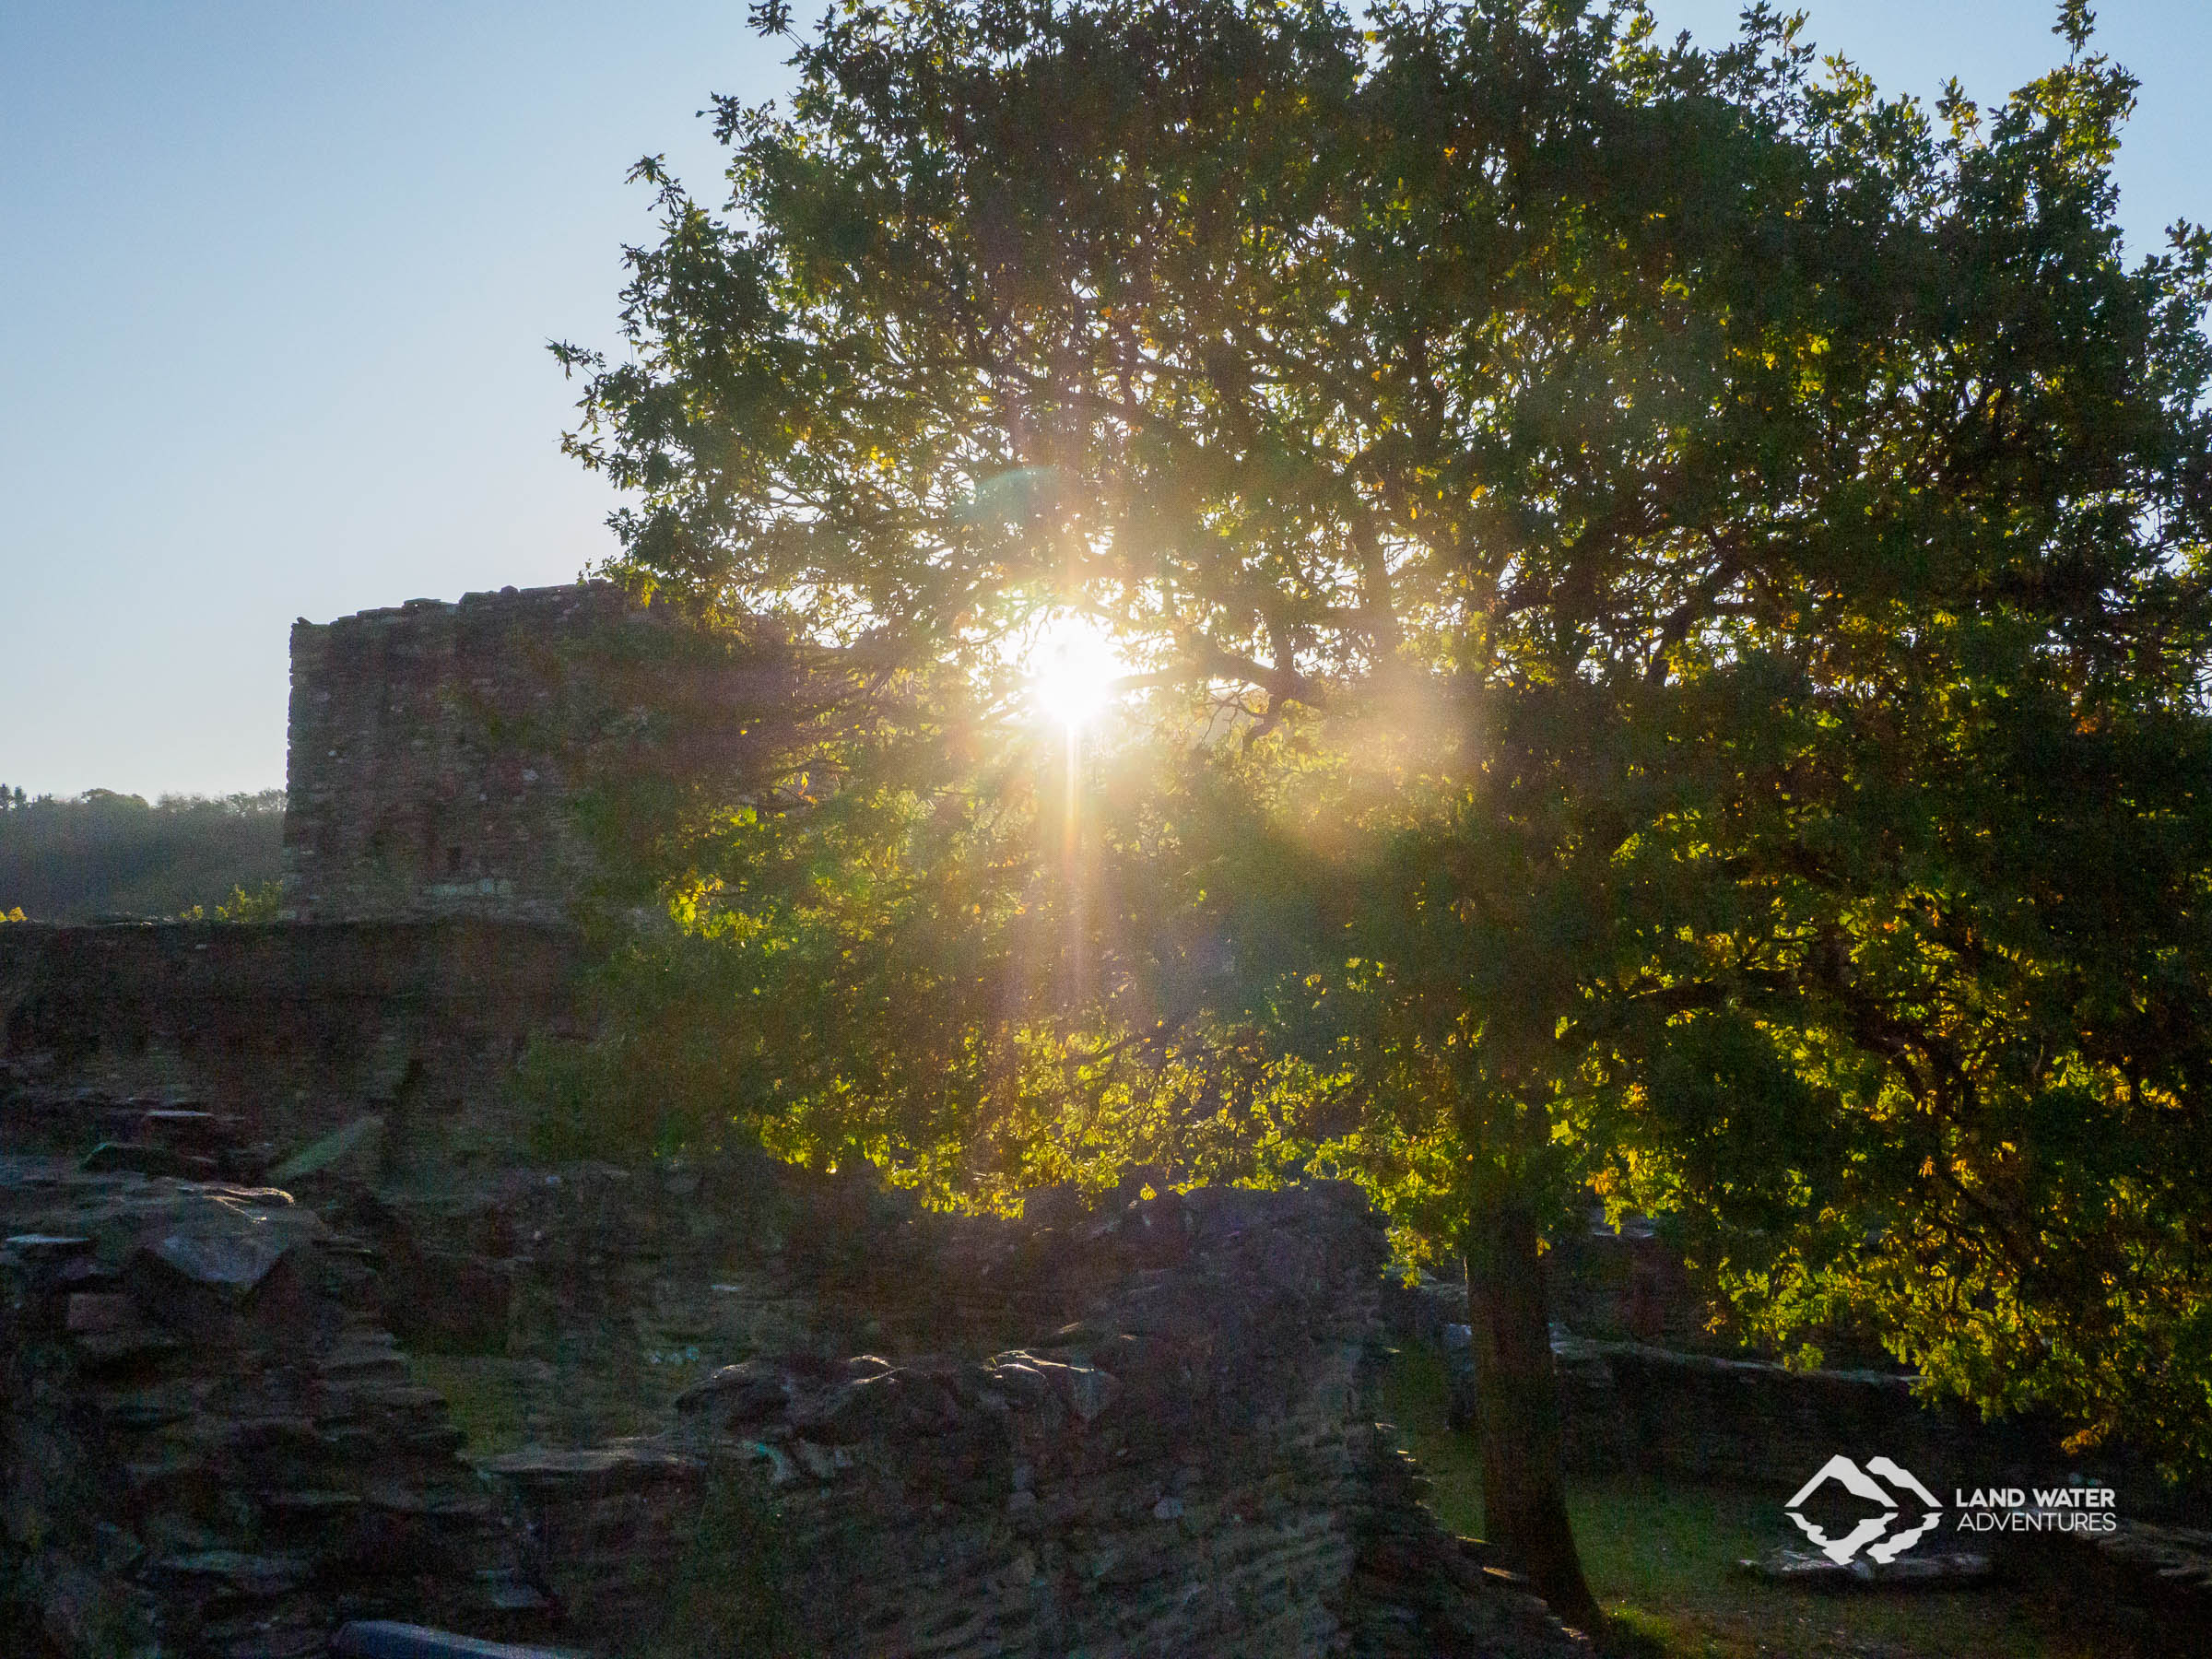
(1184, 1465)
(444, 758)
(278, 1034)
(215, 1450)
(430, 749)
(211, 1447)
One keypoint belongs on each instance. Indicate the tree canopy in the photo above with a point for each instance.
(103, 854)
(1664, 602)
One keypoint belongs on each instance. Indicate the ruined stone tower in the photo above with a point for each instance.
(430, 752)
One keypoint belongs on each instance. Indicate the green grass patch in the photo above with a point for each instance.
(488, 1399)
(1661, 1559)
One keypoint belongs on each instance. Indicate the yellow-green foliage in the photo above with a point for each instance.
(1667, 601)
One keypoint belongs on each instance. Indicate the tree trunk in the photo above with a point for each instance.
(1517, 1406)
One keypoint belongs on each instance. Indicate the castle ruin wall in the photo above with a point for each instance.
(431, 754)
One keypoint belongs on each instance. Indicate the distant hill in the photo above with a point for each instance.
(103, 855)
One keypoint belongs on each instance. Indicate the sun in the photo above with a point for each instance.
(1073, 672)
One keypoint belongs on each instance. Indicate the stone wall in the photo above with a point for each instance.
(212, 1448)
(1183, 1462)
(1627, 1283)
(1706, 1418)
(1736, 1420)
(271, 1036)
(563, 1306)
(215, 1448)
(431, 748)
(443, 758)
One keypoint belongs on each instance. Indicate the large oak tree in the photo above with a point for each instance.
(1666, 596)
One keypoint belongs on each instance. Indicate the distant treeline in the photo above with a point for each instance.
(104, 854)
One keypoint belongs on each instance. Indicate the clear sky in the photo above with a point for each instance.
(275, 281)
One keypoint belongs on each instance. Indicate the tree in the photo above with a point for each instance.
(106, 853)
(1553, 492)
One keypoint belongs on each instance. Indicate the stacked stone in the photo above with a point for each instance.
(426, 772)
(212, 1450)
(590, 1295)
(604, 1529)
(1420, 1594)
(1184, 1467)
(1702, 1417)
(284, 1033)
(151, 1135)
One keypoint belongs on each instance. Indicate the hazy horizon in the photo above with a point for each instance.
(278, 281)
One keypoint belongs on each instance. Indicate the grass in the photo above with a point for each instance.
(503, 1405)
(1661, 1559)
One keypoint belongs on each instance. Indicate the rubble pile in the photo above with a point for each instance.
(212, 1446)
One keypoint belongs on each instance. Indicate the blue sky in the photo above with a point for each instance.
(275, 280)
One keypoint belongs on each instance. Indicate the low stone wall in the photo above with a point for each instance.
(285, 1031)
(1748, 1422)
(1631, 1408)
(1186, 1466)
(215, 1449)
(1751, 1423)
